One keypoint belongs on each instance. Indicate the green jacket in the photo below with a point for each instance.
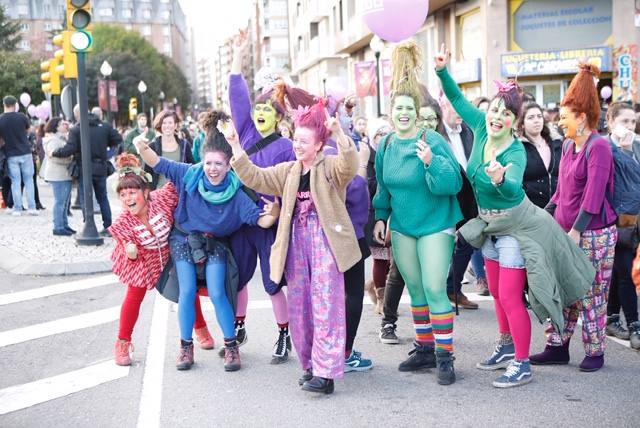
(558, 271)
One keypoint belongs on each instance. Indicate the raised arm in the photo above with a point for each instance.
(269, 181)
(239, 98)
(467, 111)
(149, 157)
(346, 165)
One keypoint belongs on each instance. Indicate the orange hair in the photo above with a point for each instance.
(582, 95)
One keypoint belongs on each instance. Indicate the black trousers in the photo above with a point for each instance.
(622, 292)
(462, 253)
(354, 295)
(392, 294)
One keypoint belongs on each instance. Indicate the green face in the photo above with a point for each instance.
(428, 118)
(404, 114)
(265, 117)
(499, 120)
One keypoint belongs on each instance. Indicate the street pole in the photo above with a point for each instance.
(108, 101)
(142, 101)
(378, 83)
(89, 234)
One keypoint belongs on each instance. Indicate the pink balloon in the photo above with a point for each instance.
(25, 99)
(605, 92)
(32, 110)
(42, 112)
(395, 20)
(336, 87)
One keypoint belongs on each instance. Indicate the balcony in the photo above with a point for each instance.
(318, 10)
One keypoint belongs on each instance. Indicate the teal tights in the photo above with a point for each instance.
(424, 265)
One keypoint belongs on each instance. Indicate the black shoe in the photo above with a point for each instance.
(306, 376)
(105, 233)
(388, 334)
(281, 347)
(319, 384)
(62, 232)
(420, 357)
(40, 207)
(70, 230)
(446, 373)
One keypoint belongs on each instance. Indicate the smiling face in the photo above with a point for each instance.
(134, 200)
(265, 117)
(570, 122)
(499, 120)
(404, 114)
(533, 121)
(306, 144)
(216, 166)
(168, 127)
(428, 118)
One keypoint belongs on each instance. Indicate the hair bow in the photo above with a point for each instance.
(301, 113)
(504, 87)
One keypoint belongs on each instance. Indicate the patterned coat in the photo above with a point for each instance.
(152, 245)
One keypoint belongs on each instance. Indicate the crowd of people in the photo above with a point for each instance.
(533, 201)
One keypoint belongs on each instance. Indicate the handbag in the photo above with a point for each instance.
(74, 169)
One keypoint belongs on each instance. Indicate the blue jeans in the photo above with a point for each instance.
(22, 168)
(505, 250)
(478, 264)
(100, 189)
(62, 198)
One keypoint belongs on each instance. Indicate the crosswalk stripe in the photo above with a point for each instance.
(52, 290)
(63, 325)
(151, 396)
(42, 390)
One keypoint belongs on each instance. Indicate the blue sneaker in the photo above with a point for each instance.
(355, 363)
(501, 357)
(518, 373)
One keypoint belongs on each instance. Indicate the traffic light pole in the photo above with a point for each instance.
(89, 234)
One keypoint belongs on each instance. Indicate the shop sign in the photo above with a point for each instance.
(625, 75)
(553, 62)
(466, 71)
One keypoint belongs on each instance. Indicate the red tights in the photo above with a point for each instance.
(380, 272)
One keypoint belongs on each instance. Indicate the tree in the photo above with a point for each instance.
(20, 73)
(9, 32)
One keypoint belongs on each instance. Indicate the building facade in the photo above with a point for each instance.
(161, 22)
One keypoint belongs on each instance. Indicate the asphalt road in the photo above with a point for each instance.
(56, 370)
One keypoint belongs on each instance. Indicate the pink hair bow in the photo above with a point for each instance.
(505, 86)
(300, 113)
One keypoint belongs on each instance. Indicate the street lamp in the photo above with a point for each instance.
(324, 84)
(377, 46)
(161, 98)
(106, 70)
(142, 87)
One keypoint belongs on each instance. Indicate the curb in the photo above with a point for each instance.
(15, 263)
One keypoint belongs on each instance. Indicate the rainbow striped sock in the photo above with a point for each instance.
(422, 325)
(443, 330)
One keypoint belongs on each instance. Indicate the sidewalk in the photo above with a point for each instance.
(28, 247)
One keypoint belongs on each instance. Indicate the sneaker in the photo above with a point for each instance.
(105, 233)
(501, 357)
(355, 363)
(70, 230)
(388, 334)
(204, 338)
(518, 373)
(33, 213)
(281, 348)
(16, 213)
(241, 337)
(62, 232)
(446, 373)
(483, 287)
(122, 352)
(634, 336)
(185, 359)
(232, 358)
(420, 357)
(615, 328)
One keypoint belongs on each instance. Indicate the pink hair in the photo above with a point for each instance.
(313, 118)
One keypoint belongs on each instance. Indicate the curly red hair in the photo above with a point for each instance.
(582, 95)
(129, 180)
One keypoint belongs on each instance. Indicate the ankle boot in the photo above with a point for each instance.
(615, 328)
(306, 376)
(634, 337)
(420, 357)
(446, 373)
(551, 355)
(591, 363)
(319, 384)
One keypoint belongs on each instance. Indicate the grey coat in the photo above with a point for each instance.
(558, 272)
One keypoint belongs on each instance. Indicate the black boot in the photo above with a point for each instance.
(420, 357)
(281, 347)
(446, 373)
(307, 375)
(319, 384)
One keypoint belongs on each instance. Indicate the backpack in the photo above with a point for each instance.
(625, 195)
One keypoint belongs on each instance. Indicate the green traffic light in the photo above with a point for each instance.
(81, 41)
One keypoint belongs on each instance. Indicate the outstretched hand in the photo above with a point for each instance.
(495, 170)
(442, 58)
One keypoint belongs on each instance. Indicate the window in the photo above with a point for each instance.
(146, 13)
(166, 14)
(166, 31)
(299, 46)
(341, 26)
(23, 9)
(24, 28)
(166, 49)
(48, 47)
(46, 10)
(146, 30)
(127, 13)
(313, 30)
(24, 45)
(107, 11)
(48, 26)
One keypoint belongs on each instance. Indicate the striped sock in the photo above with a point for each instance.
(422, 325)
(443, 330)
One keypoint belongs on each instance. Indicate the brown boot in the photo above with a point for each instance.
(380, 303)
(463, 301)
(204, 338)
(232, 358)
(369, 287)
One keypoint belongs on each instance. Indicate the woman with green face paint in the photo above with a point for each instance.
(418, 179)
(519, 240)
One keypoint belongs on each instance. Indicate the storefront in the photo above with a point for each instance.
(547, 40)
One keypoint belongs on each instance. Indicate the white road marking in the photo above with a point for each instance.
(151, 396)
(52, 290)
(37, 331)
(29, 394)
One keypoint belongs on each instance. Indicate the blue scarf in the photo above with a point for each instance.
(216, 194)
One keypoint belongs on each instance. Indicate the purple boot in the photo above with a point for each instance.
(591, 364)
(551, 355)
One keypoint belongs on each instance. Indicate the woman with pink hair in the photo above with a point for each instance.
(315, 242)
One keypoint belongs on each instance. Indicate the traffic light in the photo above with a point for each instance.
(133, 108)
(79, 23)
(50, 77)
(68, 64)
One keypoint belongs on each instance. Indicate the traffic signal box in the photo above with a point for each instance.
(133, 108)
(79, 24)
(67, 60)
(50, 77)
